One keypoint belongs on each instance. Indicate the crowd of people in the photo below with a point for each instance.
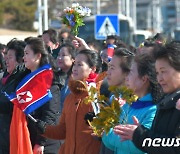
(61, 125)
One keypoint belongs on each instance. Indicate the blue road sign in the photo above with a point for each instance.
(106, 25)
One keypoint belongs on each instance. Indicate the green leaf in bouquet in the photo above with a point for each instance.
(102, 115)
(65, 21)
(102, 98)
(112, 88)
(107, 128)
(127, 94)
(109, 115)
(92, 95)
(116, 107)
(108, 124)
(107, 118)
(107, 110)
(89, 99)
(96, 126)
(92, 90)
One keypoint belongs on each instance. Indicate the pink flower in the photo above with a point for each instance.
(178, 104)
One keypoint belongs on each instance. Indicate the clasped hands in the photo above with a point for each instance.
(126, 131)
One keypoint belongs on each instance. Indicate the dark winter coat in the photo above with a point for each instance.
(166, 124)
(6, 107)
(48, 113)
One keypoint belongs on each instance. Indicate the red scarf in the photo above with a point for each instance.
(92, 77)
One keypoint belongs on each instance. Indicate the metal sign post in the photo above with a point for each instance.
(42, 8)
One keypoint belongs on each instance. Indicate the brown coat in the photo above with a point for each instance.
(72, 126)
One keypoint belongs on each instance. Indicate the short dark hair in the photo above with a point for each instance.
(96, 44)
(18, 46)
(115, 37)
(64, 30)
(126, 57)
(71, 49)
(170, 52)
(53, 35)
(93, 59)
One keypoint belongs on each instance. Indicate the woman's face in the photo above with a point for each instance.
(134, 81)
(11, 61)
(47, 41)
(81, 69)
(167, 76)
(115, 74)
(64, 59)
(31, 60)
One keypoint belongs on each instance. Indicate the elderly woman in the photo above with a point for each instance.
(164, 135)
(14, 73)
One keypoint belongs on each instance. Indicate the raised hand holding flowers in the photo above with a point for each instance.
(73, 17)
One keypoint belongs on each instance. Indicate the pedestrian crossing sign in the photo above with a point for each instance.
(106, 25)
